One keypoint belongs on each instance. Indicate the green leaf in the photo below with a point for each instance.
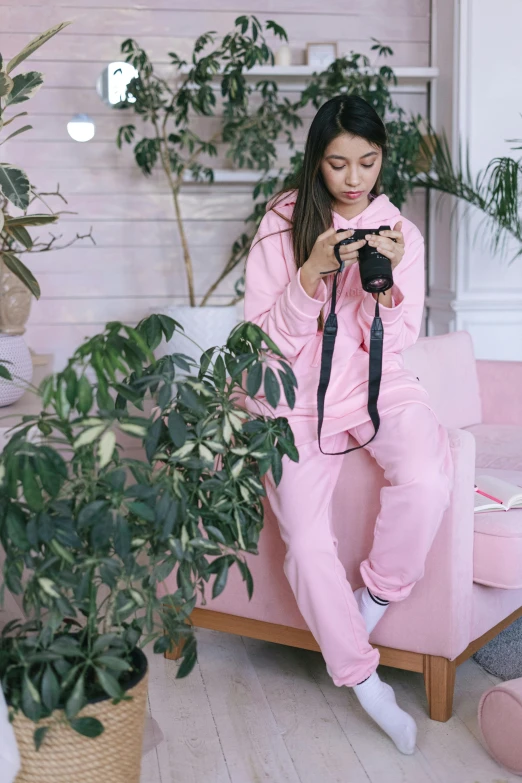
(116, 664)
(186, 666)
(88, 727)
(138, 430)
(31, 220)
(88, 436)
(77, 698)
(90, 513)
(161, 645)
(277, 467)
(272, 389)
(4, 372)
(33, 45)
(288, 388)
(150, 329)
(168, 326)
(21, 235)
(32, 491)
(17, 132)
(17, 268)
(220, 373)
(254, 377)
(216, 533)
(153, 436)
(65, 645)
(39, 736)
(46, 390)
(85, 396)
(15, 185)
(221, 578)
(50, 689)
(170, 519)
(25, 85)
(31, 705)
(106, 448)
(109, 683)
(15, 522)
(143, 511)
(177, 428)
(122, 539)
(247, 577)
(6, 84)
(106, 640)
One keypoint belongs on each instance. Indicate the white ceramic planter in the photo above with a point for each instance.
(13, 349)
(207, 326)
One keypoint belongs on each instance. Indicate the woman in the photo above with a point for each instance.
(288, 284)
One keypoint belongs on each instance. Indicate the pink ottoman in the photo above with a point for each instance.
(500, 721)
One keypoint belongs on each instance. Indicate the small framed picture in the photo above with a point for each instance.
(321, 55)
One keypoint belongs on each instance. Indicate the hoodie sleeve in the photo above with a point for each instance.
(274, 298)
(402, 322)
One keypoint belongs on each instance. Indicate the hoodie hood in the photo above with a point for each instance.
(379, 212)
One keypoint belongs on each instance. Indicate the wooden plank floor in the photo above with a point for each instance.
(254, 711)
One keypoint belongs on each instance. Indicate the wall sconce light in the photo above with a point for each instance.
(112, 83)
(81, 128)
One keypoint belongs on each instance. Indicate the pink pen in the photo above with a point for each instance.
(486, 495)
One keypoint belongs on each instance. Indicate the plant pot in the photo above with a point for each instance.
(14, 350)
(68, 757)
(207, 326)
(15, 302)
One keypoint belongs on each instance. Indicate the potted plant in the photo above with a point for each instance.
(17, 282)
(172, 142)
(495, 190)
(90, 534)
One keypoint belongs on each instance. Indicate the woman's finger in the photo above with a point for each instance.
(392, 235)
(352, 246)
(338, 236)
(386, 251)
(385, 243)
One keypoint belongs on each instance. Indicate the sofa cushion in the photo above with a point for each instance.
(499, 446)
(445, 365)
(497, 547)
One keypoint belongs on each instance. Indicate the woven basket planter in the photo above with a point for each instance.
(68, 757)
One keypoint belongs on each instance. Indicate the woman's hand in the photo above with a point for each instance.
(322, 260)
(385, 244)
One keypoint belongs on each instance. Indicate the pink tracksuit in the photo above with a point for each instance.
(411, 446)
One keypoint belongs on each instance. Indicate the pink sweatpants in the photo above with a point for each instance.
(413, 449)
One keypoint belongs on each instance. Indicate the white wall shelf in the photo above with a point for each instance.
(298, 71)
(295, 77)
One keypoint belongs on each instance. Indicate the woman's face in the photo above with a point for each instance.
(350, 163)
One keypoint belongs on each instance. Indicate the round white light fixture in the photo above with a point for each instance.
(81, 128)
(112, 83)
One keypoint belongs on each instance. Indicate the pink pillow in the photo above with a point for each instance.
(500, 721)
(445, 365)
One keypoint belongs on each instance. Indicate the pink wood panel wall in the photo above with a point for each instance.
(136, 264)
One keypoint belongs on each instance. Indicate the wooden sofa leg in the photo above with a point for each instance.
(439, 680)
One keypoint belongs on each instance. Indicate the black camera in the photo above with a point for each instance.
(375, 269)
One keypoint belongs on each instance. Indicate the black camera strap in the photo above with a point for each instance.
(376, 341)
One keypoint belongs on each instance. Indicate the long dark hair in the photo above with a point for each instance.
(312, 214)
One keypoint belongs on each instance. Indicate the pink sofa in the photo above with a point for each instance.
(472, 585)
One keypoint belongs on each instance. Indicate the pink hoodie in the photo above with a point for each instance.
(276, 301)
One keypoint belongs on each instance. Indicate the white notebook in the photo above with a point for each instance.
(495, 494)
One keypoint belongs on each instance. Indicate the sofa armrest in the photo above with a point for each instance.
(500, 383)
(436, 617)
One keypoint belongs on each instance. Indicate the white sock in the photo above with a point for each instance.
(378, 699)
(369, 608)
